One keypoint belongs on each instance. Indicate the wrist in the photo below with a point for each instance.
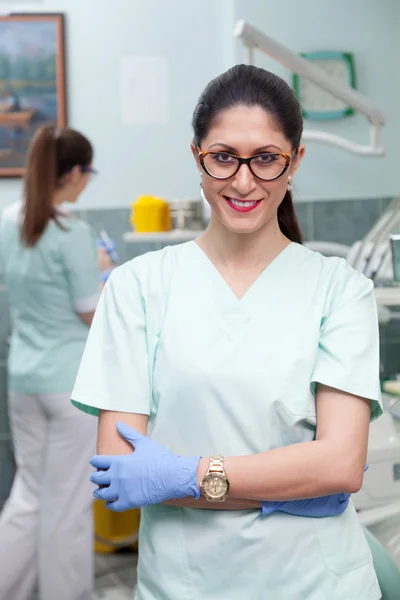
(188, 485)
(202, 470)
(212, 479)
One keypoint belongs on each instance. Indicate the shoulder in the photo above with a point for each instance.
(74, 224)
(73, 232)
(335, 278)
(12, 213)
(150, 272)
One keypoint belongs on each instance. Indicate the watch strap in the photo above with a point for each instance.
(216, 464)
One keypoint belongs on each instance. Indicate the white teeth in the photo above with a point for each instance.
(241, 204)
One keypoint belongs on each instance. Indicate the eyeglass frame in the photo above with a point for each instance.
(89, 170)
(245, 161)
(84, 169)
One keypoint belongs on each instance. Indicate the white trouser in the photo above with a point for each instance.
(46, 527)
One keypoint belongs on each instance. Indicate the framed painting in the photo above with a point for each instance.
(32, 83)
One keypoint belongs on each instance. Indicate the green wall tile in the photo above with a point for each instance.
(344, 221)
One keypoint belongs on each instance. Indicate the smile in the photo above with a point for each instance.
(242, 205)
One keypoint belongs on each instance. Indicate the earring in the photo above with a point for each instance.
(289, 185)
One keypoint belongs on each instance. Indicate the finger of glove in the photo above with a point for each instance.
(101, 477)
(269, 507)
(131, 435)
(101, 461)
(108, 493)
(118, 506)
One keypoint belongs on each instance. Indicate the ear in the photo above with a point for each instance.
(195, 155)
(194, 150)
(75, 174)
(299, 157)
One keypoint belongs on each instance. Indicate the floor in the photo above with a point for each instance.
(115, 576)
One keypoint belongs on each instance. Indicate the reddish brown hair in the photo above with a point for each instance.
(52, 154)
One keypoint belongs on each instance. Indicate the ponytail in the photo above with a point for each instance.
(52, 155)
(287, 219)
(39, 185)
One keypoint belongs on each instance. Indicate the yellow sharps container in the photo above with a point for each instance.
(114, 530)
(150, 214)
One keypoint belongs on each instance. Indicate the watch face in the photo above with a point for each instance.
(215, 485)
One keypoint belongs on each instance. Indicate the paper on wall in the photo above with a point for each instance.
(144, 89)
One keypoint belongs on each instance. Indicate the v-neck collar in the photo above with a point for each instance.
(217, 275)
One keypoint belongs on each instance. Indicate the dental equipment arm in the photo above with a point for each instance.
(254, 38)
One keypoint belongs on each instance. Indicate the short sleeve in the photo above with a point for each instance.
(79, 255)
(114, 372)
(348, 352)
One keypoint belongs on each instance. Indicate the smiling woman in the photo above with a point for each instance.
(231, 357)
(248, 150)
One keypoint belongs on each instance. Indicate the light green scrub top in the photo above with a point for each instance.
(221, 375)
(47, 285)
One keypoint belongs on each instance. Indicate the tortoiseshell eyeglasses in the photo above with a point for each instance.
(267, 166)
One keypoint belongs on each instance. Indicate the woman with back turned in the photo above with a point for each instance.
(50, 265)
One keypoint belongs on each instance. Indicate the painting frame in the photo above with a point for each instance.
(59, 81)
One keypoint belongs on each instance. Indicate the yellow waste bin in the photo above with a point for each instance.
(150, 214)
(114, 530)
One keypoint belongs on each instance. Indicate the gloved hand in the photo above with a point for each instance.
(325, 506)
(104, 275)
(150, 475)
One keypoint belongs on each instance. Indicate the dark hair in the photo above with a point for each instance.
(52, 154)
(246, 85)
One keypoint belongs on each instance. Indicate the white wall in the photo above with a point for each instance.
(369, 29)
(196, 39)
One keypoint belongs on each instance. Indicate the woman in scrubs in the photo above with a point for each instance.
(243, 370)
(51, 271)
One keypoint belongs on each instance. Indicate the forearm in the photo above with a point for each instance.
(332, 465)
(304, 470)
(229, 504)
(109, 440)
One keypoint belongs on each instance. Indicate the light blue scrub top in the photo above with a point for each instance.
(222, 375)
(47, 285)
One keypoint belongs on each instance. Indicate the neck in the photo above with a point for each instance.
(61, 195)
(58, 198)
(244, 249)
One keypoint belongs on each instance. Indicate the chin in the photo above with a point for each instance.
(240, 223)
(244, 230)
(243, 227)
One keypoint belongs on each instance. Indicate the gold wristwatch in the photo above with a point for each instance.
(215, 485)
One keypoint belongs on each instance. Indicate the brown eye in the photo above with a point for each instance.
(265, 159)
(223, 159)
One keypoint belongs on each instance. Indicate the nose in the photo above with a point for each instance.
(244, 181)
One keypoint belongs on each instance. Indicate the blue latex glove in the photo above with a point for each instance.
(104, 275)
(325, 506)
(150, 475)
(110, 247)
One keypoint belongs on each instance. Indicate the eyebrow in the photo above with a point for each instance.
(256, 151)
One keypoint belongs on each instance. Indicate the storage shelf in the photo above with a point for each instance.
(388, 296)
(176, 235)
